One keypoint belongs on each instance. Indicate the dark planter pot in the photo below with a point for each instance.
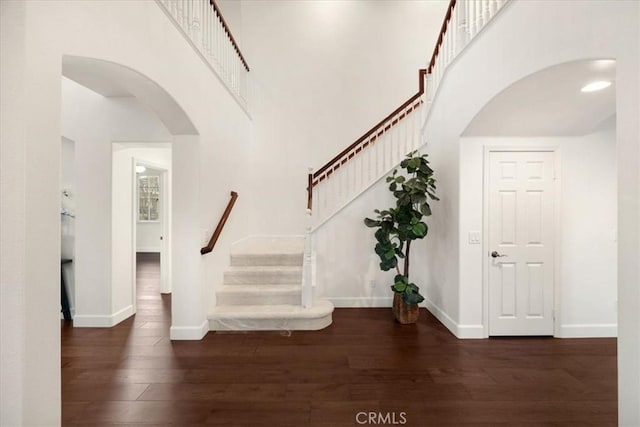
(404, 313)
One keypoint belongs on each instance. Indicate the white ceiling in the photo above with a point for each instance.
(550, 103)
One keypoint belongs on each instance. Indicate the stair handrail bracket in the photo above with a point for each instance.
(204, 27)
(223, 220)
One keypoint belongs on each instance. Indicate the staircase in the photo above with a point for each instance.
(262, 288)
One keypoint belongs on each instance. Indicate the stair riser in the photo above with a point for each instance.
(229, 298)
(262, 278)
(269, 260)
(226, 324)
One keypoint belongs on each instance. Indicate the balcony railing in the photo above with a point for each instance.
(203, 25)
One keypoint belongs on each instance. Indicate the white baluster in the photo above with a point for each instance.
(362, 169)
(386, 138)
(179, 13)
(216, 45)
(405, 134)
(337, 195)
(318, 200)
(211, 33)
(397, 138)
(205, 28)
(307, 289)
(485, 11)
(412, 129)
(449, 35)
(453, 29)
(473, 20)
(197, 23)
(185, 16)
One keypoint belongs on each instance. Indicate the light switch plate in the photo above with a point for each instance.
(474, 237)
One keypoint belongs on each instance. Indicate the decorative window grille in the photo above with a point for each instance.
(148, 198)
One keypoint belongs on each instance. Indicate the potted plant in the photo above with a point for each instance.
(398, 226)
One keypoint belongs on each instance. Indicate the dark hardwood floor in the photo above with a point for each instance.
(133, 374)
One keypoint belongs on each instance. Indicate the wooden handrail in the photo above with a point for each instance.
(228, 31)
(348, 153)
(371, 131)
(221, 223)
(443, 30)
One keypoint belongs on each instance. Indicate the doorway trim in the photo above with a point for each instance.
(557, 238)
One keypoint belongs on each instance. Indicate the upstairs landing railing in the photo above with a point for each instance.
(463, 22)
(371, 156)
(203, 25)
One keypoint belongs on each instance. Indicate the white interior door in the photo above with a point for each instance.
(521, 236)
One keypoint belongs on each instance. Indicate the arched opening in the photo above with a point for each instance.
(547, 235)
(117, 118)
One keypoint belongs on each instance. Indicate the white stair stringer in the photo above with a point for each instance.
(261, 290)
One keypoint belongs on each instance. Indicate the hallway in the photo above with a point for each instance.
(133, 374)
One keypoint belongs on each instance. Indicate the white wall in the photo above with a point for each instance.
(588, 280)
(323, 73)
(347, 270)
(16, 382)
(148, 236)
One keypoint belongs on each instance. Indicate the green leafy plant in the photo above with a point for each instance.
(398, 226)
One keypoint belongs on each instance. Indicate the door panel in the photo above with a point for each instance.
(521, 221)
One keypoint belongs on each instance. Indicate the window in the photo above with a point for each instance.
(148, 198)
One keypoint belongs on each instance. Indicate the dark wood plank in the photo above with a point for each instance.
(133, 374)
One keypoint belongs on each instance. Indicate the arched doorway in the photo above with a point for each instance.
(103, 104)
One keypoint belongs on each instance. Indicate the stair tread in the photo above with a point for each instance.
(266, 268)
(266, 288)
(319, 309)
(269, 246)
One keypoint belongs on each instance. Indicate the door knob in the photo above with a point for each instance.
(495, 254)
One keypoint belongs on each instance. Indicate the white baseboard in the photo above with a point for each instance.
(443, 317)
(148, 249)
(121, 315)
(470, 332)
(192, 333)
(604, 330)
(353, 302)
(102, 321)
(460, 331)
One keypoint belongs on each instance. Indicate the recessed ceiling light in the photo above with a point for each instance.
(140, 168)
(597, 85)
